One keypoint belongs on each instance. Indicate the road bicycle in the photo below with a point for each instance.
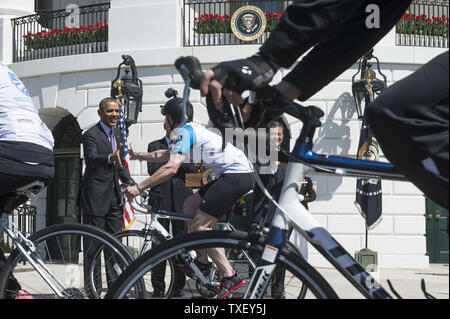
(199, 283)
(67, 261)
(290, 212)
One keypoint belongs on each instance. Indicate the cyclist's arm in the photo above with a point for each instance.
(154, 156)
(336, 54)
(304, 24)
(164, 173)
(152, 166)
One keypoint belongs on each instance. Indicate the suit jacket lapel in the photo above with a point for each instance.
(164, 144)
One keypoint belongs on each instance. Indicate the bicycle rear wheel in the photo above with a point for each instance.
(160, 283)
(85, 259)
(297, 271)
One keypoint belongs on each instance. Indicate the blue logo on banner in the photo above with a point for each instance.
(18, 84)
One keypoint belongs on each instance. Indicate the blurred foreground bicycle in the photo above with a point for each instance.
(70, 261)
(290, 212)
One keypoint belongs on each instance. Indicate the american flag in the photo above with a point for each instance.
(128, 211)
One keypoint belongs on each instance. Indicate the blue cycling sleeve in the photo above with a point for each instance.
(184, 141)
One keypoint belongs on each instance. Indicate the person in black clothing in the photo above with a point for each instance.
(263, 208)
(175, 193)
(99, 196)
(416, 106)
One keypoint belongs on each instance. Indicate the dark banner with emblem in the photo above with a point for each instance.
(368, 191)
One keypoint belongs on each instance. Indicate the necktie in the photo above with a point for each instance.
(113, 142)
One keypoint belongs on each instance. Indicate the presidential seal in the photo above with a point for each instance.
(248, 23)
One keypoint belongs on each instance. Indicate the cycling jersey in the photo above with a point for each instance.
(19, 119)
(206, 148)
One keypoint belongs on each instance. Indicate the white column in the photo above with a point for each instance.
(10, 10)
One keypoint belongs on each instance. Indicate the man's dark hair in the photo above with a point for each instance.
(103, 102)
(274, 123)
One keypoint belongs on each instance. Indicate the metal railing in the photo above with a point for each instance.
(75, 30)
(207, 22)
(425, 24)
(24, 217)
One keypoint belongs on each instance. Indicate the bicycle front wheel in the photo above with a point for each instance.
(297, 272)
(79, 261)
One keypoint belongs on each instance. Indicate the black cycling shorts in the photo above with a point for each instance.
(219, 196)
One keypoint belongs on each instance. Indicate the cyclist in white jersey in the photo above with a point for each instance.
(26, 144)
(26, 148)
(234, 178)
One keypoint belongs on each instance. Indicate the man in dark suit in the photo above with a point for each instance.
(175, 193)
(100, 199)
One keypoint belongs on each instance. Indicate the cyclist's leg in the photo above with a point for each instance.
(410, 121)
(210, 203)
(204, 222)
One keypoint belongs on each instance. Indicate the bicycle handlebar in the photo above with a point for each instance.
(268, 97)
(190, 69)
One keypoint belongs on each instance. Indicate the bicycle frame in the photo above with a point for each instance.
(155, 225)
(291, 213)
(28, 250)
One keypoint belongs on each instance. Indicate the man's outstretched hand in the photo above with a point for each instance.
(115, 157)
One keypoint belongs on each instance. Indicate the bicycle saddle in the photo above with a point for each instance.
(16, 197)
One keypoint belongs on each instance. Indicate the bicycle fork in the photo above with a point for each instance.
(264, 269)
(31, 254)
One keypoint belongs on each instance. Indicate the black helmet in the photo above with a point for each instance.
(174, 108)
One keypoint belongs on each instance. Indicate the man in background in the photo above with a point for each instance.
(175, 193)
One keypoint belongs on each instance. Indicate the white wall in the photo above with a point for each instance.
(10, 10)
